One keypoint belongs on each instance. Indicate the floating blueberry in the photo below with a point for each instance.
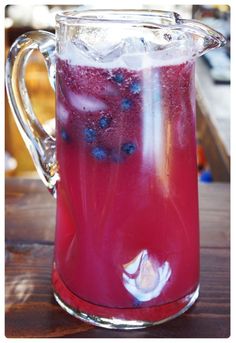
(89, 135)
(135, 87)
(64, 135)
(126, 104)
(119, 78)
(99, 153)
(128, 148)
(104, 122)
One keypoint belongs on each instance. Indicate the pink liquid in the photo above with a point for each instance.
(127, 205)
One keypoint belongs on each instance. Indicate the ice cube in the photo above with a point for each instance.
(135, 52)
(62, 113)
(85, 103)
(134, 61)
(102, 50)
(119, 46)
(110, 90)
(136, 45)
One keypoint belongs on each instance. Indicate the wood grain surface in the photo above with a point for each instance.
(31, 310)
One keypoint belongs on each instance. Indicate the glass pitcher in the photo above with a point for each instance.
(122, 166)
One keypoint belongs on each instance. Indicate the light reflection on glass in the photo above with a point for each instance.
(152, 116)
(164, 164)
(157, 136)
(144, 277)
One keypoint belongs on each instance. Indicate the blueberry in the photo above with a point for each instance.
(135, 87)
(104, 122)
(99, 153)
(126, 104)
(128, 148)
(64, 135)
(90, 135)
(119, 78)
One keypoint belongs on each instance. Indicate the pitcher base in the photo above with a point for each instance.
(118, 318)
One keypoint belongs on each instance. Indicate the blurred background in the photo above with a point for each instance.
(212, 84)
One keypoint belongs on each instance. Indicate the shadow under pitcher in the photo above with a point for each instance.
(122, 166)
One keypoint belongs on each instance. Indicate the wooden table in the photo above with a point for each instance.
(31, 310)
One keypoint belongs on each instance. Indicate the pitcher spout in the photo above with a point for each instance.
(203, 37)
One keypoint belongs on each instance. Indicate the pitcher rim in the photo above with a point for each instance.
(119, 16)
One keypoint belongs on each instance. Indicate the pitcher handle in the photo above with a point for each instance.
(41, 145)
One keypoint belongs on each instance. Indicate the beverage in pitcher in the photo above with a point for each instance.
(122, 166)
(127, 210)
